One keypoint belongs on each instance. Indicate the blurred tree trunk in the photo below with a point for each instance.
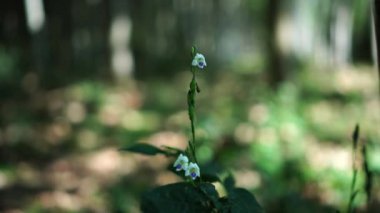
(341, 32)
(35, 17)
(274, 58)
(120, 33)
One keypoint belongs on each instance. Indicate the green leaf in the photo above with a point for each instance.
(145, 149)
(179, 197)
(210, 177)
(242, 200)
(209, 190)
(173, 151)
(229, 183)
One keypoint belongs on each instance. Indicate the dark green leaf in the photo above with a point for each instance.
(145, 149)
(210, 177)
(209, 190)
(173, 151)
(179, 197)
(229, 183)
(242, 200)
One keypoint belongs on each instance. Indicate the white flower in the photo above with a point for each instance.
(193, 171)
(181, 163)
(199, 61)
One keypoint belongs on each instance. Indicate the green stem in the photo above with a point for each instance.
(353, 183)
(352, 193)
(191, 109)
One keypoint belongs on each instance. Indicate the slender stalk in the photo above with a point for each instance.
(352, 193)
(355, 137)
(191, 110)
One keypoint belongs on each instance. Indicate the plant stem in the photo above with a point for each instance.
(191, 109)
(353, 193)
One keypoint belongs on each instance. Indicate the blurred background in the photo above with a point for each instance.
(286, 82)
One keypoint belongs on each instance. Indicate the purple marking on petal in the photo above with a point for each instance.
(201, 63)
(193, 175)
(178, 167)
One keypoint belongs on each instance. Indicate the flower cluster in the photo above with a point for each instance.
(191, 169)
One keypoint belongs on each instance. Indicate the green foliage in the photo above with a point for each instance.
(210, 177)
(178, 197)
(186, 197)
(194, 195)
(229, 183)
(148, 149)
(368, 174)
(243, 201)
(144, 149)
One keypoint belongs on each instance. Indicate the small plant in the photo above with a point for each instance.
(197, 193)
(365, 167)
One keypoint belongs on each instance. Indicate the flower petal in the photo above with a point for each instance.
(181, 163)
(192, 170)
(199, 61)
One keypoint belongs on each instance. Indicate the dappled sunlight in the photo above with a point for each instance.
(245, 133)
(28, 174)
(62, 174)
(323, 156)
(166, 178)
(4, 180)
(177, 120)
(60, 199)
(172, 139)
(97, 120)
(323, 113)
(258, 113)
(105, 164)
(247, 179)
(57, 132)
(110, 115)
(88, 139)
(353, 80)
(290, 132)
(75, 112)
(83, 83)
